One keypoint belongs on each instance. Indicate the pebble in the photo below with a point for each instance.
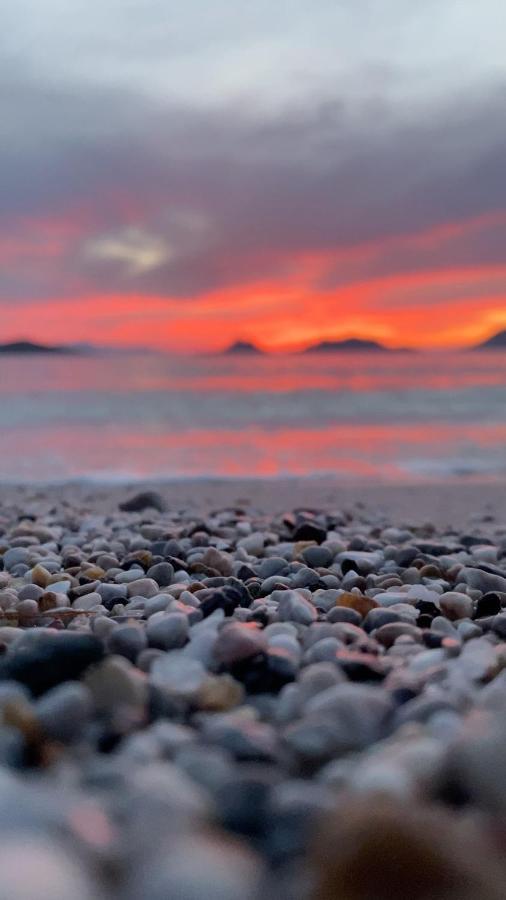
(317, 557)
(64, 711)
(456, 605)
(128, 641)
(143, 587)
(162, 573)
(186, 698)
(237, 643)
(294, 607)
(143, 500)
(168, 632)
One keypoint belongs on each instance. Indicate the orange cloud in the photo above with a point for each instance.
(277, 315)
(427, 307)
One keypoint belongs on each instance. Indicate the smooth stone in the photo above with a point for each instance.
(51, 659)
(15, 555)
(222, 562)
(30, 592)
(60, 587)
(499, 625)
(443, 626)
(310, 531)
(343, 614)
(468, 630)
(112, 593)
(477, 660)
(143, 587)
(360, 603)
(143, 500)
(127, 641)
(116, 683)
(273, 565)
(196, 866)
(28, 611)
(316, 678)
(179, 674)
(391, 598)
(219, 693)
(162, 573)
(87, 601)
(317, 557)
(54, 871)
(293, 607)
(456, 605)
(421, 592)
(9, 634)
(158, 603)
(288, 644)
(209, 766)
(325, 600)
(102, 626)
(146, 658)
(427, 659)
(64, 712)
(485, 553)
(341, 719)
(247, 740)
(488, 605)
(388, 634)
(359, 666)
(253, 543)
(237, 642)
(482, 580)
(168, 632)
(128, 577)
(306, 578)
(323, 650)
(378, 617)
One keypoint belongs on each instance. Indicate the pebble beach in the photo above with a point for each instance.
(249, 689)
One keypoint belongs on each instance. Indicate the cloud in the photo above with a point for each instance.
(134, 250)
(119, 179)
(222, 196)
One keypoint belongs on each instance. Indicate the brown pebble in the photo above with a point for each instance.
(219, 693)
(388, 634)
(40, 576)
(358, 602)
(376, 849)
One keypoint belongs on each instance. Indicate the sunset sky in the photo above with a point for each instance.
(183, 175)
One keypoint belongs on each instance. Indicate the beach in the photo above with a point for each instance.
(253, 687)
(252, 450)
(444, 504)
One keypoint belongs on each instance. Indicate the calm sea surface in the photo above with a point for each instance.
(406, 417)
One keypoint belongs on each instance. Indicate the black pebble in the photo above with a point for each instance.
(52, 660)
(310, 531)
(488, 605)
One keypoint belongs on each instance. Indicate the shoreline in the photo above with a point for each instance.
(444, 505)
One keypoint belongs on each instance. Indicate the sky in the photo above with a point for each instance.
(183, 175)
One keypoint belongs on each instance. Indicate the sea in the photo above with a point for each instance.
(376, 417)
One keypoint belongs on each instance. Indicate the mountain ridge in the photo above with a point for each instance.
(495, 342)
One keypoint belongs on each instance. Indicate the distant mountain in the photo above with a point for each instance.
(242, 347)
(351, 344)
(81, 348)
(29, 347)
(496, 342)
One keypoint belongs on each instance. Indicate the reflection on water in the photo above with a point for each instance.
(389, 416)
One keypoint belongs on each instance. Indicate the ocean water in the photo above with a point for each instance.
(406, 417)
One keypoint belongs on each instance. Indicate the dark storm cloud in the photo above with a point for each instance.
(157, 197)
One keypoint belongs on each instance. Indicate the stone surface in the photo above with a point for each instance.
(193, 703)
